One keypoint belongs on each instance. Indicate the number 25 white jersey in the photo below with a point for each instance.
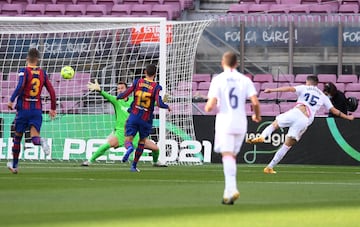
(231, 89)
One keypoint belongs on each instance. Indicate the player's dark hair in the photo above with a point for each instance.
(122, 82)
(33, 54)
(230, 59)
(151, 70)
(330, 88)
(313, 79)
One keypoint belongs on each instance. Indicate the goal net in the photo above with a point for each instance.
(109, 50)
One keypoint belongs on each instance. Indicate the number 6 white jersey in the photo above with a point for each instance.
(231, 89)
(313, 98)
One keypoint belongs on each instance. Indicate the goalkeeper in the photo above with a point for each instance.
(117, 137)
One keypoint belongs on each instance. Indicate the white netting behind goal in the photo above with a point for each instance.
(109, 52)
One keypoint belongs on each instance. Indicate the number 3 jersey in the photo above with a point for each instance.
(231, 89)
(313, 98)
(29, 87)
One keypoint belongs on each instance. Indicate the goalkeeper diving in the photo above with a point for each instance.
(117, 138)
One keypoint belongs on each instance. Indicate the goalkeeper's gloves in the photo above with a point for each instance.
(166, 98)
(94, 86)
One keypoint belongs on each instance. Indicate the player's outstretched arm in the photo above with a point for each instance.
(338, 113)
(280, 89)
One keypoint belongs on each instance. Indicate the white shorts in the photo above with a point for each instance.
(295, 120)
(228, 142)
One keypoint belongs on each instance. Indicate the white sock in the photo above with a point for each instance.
(279, 155)
(229, 165)
(267, 131)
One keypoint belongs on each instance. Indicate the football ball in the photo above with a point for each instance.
(67, 72)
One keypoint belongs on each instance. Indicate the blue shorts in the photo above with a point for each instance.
(135, 124)
(26, 118)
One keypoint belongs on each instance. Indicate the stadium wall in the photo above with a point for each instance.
(328, 141)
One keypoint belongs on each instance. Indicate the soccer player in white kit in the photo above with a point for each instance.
(310, 99)
(228, 92)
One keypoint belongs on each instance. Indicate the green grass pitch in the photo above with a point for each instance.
(65, 194)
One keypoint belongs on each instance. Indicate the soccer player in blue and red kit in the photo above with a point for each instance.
(32, 79)
(146, 94)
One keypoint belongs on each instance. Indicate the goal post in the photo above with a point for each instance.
(110, 50)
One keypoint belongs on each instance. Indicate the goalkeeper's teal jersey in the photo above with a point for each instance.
(121, 109)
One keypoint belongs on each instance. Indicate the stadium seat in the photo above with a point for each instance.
(66, 2)
(301, 78)
(134, 2)
(300, 9)
(23, 2)
(238, 8)
(11, 84)
(75, 10)
(55, 10)
(257, 86)
(96, 10)
(284, 78)
(309, 1)
(86, 2)
(285, 106)
(340, 86)
(281, 8)
(263, 78)
(288, 96)
(141, 10)
(257, 8)
(203, 85)
(266, 85)
(323, 78)
(201, 77)
(42, 1)
(325, 8)
(322, 112)
(272, 2)
(185, 85)
(34, 10)
(349, 8)
(352, 87)
(355, 94)
(270, 109)
(153, 1)
(268, 96)
(170, 11)
(109, 3)
(11, 9)
(121, 10)
(347, 78)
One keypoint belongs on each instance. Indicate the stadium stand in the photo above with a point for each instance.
(299, 11)
(171, 9)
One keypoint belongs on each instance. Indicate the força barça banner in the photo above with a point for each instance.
(327, 141)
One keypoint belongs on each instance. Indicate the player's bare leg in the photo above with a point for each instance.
(279, 155)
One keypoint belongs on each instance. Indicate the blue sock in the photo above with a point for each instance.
(130, 148)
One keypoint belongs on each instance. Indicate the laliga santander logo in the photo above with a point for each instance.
(275, 140)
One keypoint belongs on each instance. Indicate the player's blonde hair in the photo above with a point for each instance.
(230, 59)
